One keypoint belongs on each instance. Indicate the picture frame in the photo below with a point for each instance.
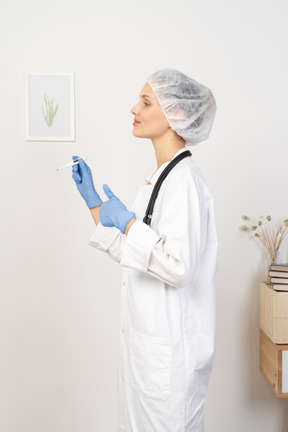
(49, 106)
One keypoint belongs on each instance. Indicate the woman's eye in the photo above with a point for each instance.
(146, 104)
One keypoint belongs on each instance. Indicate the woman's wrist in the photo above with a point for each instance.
(130, 223)
(95, 212)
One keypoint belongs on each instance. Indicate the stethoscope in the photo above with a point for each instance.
(149, 211)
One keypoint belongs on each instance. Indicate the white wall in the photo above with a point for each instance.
(59, 304)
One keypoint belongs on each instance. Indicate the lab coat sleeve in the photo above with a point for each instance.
(172, 253)
(109, 240)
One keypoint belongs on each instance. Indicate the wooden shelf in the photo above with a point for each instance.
(274, 365)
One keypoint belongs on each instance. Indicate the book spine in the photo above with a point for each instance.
(276, 280)
(279, 267)
(283, 287)
(281, 274)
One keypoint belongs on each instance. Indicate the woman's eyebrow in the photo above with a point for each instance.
(143, 96)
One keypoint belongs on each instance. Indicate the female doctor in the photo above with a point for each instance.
(168, 297)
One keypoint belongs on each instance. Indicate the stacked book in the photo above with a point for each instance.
(278, 276)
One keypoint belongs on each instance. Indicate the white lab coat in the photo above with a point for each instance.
(168, 303)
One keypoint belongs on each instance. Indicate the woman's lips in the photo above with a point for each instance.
(136, 122)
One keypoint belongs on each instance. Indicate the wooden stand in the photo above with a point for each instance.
(274, 313)
(274, 365)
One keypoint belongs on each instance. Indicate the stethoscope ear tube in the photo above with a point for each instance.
(149, 211)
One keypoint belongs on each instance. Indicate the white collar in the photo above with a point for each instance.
(154, 175)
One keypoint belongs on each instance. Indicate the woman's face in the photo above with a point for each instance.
(149, 119)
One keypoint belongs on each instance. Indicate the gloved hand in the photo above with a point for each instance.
(84, 182)
(114, 212)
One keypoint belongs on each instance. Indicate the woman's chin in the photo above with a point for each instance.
(137, 134)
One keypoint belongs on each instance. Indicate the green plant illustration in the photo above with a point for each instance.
(50, 111)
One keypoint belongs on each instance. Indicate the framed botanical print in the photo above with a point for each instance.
(49, 107)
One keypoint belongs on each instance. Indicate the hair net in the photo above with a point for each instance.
(189, 106)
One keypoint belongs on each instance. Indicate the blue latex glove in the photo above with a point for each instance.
(84, 182)
(113, 213)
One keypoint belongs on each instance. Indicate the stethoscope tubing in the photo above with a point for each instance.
(149, 211)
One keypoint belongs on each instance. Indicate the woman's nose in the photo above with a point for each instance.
(134, 110)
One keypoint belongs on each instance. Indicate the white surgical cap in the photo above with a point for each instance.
(189, 106)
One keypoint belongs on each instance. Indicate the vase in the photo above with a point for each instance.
(274, 256)
(270, 259)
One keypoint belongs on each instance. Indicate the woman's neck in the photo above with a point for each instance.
(166, 148)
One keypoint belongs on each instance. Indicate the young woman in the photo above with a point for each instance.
(168, 298)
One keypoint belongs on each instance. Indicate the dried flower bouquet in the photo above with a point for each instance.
(271, 237)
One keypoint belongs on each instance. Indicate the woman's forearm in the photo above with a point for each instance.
(95, 214)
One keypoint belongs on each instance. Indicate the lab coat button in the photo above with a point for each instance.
(123, 283)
